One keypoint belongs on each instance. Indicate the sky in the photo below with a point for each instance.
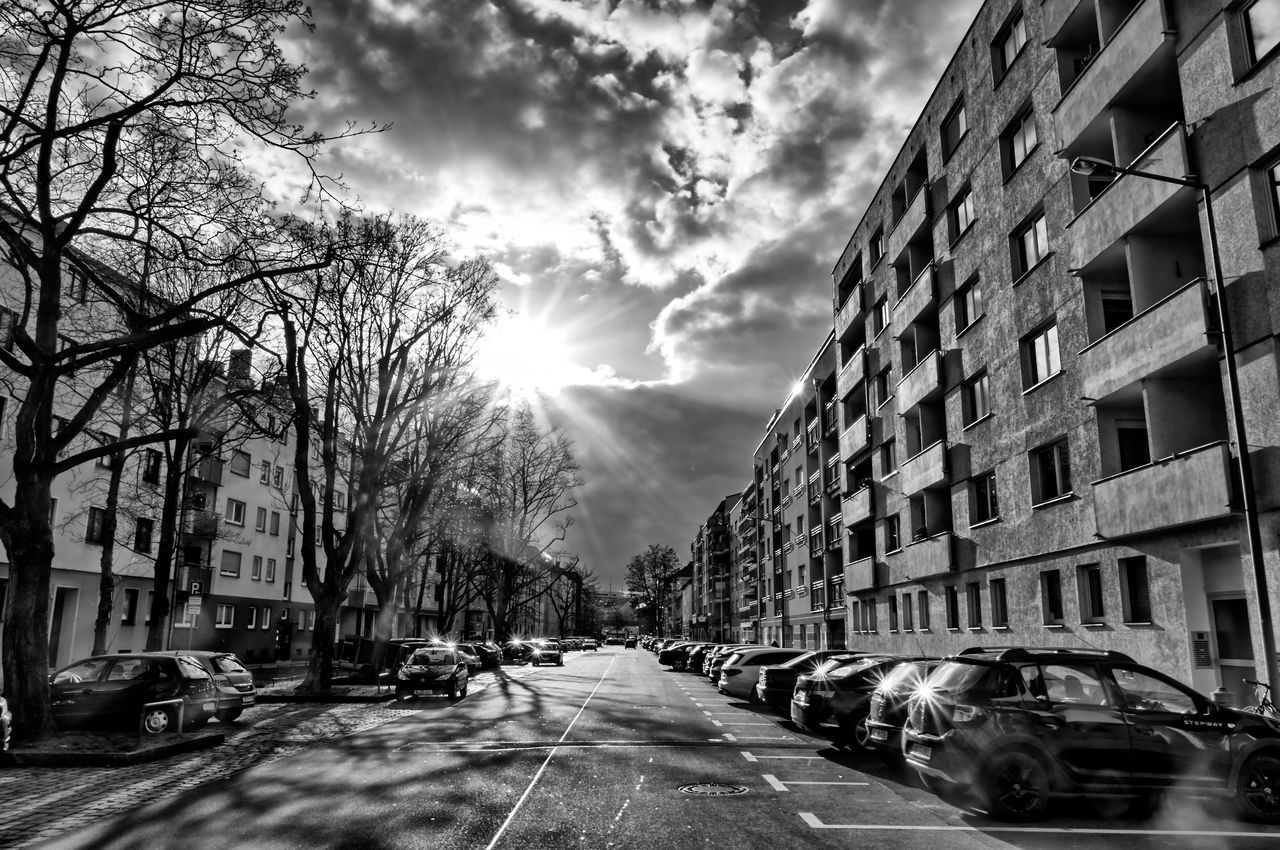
(663, 188)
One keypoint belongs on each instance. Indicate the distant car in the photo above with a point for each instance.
(144, 690)
(6, 725)
(470, 656)
(590, 643)
(490, 654)
(741, 669)
(233, 682)
(433, 670)
(629, 643)
(546, 651)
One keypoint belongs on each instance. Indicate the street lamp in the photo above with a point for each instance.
(1090, 166)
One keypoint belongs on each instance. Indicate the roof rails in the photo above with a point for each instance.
(1012, 653)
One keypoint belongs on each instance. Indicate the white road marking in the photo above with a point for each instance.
(746, 755)
(729, 737)
(744, 723)
(779, 785)
(773, 780)
(543, 767)
(813, 821)
(716, 723)
(763, 738)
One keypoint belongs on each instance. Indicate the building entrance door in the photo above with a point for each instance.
(1235, 646)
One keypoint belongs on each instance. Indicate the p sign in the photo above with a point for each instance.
(197, 588)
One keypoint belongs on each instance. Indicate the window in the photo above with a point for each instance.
(869, 623)
(226, 617)
(1008, 44)
(1050, 472)
(142, 533)
(255, 572)
(95, 530)
(1135, 591)
(1018, 141)
(302, 619)
(274, 528)
(277, 476)
(880, 316)
(960, 214)
(240, 463)
(266, 618)
(922, 606)
(953, 608)
(893, 613)
(975, 398)
(1089, 581)
(1143, 692)
(311, 622)
(876, 247)
(8, 325)
(230, 565)
(881, 388)
(271, 569)
(288, 546)
(908, 621)
(985, 507)
(999, 604)
(1051, 597)
(151, 466)
(260, 524)
(1030, 245)
(892, 533)
(968, 304)
(129, 616)
(973, 594)
(888, 458)
(1040, 359)
(1262, 28)
(1273, 185)
(264, 477)
(251, 620)
(954, 126)
(235, 511)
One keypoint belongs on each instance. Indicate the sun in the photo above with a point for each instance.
(527, 357)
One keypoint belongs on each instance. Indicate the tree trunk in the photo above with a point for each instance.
(106, 573)
(170, 518)
(320, 665)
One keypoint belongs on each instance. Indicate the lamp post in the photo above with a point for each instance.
(1090, 166)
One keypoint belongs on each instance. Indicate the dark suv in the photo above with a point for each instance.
(1020, 725)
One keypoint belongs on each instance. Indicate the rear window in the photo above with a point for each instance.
(954, 677)
(228, 664)
(852, 669)
(906, 676)
(431, 655)
(191, 669)
(806, 660)
(733, 659)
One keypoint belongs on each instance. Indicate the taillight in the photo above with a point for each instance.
(967, 714)
(730, 672)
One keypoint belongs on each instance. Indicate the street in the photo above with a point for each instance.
(610, 750)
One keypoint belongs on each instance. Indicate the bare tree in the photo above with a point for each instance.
(354, 337)
(649, 579)
(122, 127)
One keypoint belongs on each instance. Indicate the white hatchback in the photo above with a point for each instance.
(741, 671)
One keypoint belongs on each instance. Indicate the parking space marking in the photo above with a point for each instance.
(779, 785)
(814, 822)
(753, 757)
(716, 723)
(765, 738)
(747, 723)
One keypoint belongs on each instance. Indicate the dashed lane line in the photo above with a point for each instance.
(814, 822)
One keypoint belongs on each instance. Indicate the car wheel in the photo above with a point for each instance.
(453, 689)
(1015, 787)
(462, 692)
(1258, 789)
(228, 715)
(158, 720)
(854, 733)
(560, 662)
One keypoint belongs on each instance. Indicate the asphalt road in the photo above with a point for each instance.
(603, 753)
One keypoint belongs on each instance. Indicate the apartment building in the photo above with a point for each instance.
(712, 560)
(1038, 436)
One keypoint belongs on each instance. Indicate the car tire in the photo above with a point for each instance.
(462, 692)
(158, 719)
(1258, 789)
(560, 662)
(228, 715)
(453, 689)
(854, 734)
(1015, 787)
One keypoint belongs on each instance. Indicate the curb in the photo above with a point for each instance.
(51, 758)
(326, 698)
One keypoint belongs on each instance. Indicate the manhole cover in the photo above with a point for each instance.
(712, 789)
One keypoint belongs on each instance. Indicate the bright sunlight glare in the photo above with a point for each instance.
(527, 357)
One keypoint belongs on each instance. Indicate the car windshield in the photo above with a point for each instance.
(833, 663)
(801, 661)
(852, 669)
(228, 664)
(433, 655)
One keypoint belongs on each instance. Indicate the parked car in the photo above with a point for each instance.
(133, 690)
(545, 651)
(1022, 725)
(490, 654)
(776, 682)
(716, 663)
(741, 669)
(6, 725)
(470, 656)
(835, 699)
(233, 683)
(698, 655)
(676, 656)
(433, 670)
(629, 643)
(889, 703)
(591, 644)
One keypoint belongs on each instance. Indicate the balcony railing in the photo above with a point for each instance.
(201, 523)
(924, 470)
(1188, 487)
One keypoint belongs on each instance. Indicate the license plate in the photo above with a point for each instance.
(879, 735)
(247, 700)
(922, 752)
(209, 706)
(417, 693)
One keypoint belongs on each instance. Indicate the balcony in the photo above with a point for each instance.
(925, 470)
(831, 480)
(919, 297)
(853, 370)
(855, 438)
(856, 507)
(849, 310)
(201, 523)
(1169, 331)
(914, 217)
(1189, 487)
(861, 575)
(830, 419)
(209, 469)
(1054, 13)
(921, 382)
(1129, 200)
(928, 556)
(187, 573)
(816, 546)
(1138, 42)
